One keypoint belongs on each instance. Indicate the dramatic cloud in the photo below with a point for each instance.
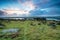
(52, 11)
(27, 5)
(2, 13)
(30, 7)
(46, 3)
(17, 11)
(23, 7)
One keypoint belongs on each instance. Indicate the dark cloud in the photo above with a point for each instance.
(56, 4)
(46, 3)
(47, 11)
(2, 13)
(50, 7)
(36, 12)
(53, 11)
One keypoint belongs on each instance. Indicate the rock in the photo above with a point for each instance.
(52, 24)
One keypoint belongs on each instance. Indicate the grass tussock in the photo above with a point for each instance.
(33, 30)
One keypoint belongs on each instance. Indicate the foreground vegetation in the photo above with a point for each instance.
(32, 30)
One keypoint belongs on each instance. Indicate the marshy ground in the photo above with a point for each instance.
(32, 30)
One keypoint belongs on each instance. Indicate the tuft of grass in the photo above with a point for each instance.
(29, 32)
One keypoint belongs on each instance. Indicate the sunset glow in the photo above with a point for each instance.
(17, 12)
(26, 8)
(29, 7)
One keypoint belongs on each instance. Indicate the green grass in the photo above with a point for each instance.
(36, 32)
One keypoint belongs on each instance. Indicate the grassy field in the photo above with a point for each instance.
(33, 32)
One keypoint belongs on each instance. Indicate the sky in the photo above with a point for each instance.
(29, 8)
